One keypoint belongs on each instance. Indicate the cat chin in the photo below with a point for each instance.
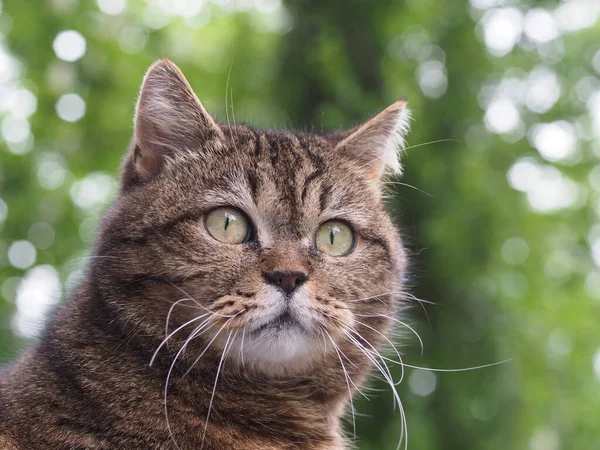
(277, 350)
(279, 346)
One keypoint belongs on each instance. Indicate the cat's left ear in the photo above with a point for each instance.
(375, 145)
(169, 119)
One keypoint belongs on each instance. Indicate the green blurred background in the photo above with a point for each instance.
(504, 239)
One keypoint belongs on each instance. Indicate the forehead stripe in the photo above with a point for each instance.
(316, 161)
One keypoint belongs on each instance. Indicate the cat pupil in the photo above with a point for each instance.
(226, 222)
(331, 236)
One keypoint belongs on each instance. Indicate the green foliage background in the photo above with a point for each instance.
(508, 255)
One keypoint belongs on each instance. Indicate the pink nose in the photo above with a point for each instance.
(286, 281)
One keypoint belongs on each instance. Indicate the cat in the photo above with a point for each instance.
(240, 285)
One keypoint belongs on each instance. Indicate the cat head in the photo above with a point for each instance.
(271, 247)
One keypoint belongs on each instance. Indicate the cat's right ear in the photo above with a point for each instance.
(169, 119)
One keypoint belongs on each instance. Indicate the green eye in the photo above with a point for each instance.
(335, 238)
(228, 225)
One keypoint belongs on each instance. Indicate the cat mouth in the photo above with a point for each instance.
(284, 321)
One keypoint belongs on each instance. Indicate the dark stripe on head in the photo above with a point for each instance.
(307, 182)
(273, 148)
(252, 178)
(324, 197)
(289, 163)
(316, 161)
(257, 143)
(253, 173)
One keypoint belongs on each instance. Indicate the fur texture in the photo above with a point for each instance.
(231, 374)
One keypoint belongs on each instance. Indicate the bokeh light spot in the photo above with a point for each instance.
(51, 171)
(575, 15)
(594, 178)
(596, 61)
(132, 39)
(539, 25)
(22, 254)
(552, 191)
(38, 291)
(422, 382)
(502, 116)
(3, 211)
(481, 410)
(22, 103)
(112, 7)
(543, 89)
(523, 173)
(544, 439)
(9, 66)
(555, 141)
(70, 107)
(93, 191)
(514, 251)
(593, 105)
(513, 284)
(41, 235)
(9, 288)
(559, 344)
(597, 363)
(154, 18)
(15, 129)
(502, 30)
(69, 45)
(432, 78)
(485, 4)
(548, 189)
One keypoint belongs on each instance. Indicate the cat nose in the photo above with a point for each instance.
(286, 281)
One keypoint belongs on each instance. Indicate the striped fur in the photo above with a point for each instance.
(88, 382)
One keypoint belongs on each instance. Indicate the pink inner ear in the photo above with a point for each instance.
(147, 163)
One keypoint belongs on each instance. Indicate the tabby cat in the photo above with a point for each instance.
(241, 283)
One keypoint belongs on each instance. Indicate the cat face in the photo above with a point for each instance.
(270, 248)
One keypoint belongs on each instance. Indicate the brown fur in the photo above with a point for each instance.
(88, 383)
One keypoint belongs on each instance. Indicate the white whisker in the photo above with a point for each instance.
(242, 348)
(420, 300)
(464, 369)
(226, 93)
(371, 297)
(164, 341)
(398, 183)
(378, 353)
(431, 142)
(347, 382)
(169, 314)
(388, 378)
(191, 336)
(215, 388)
(207, 347)
(395, 320)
